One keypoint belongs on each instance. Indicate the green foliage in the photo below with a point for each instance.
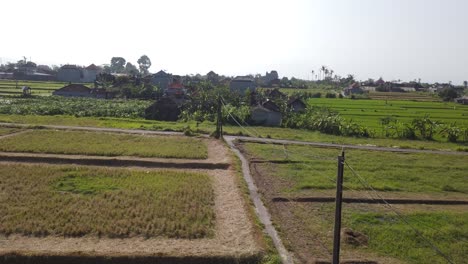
(203, 104)
(326, 121)
(452, 132)
(117, 65)
(391, 236)
(385, 171)
(82, 184)
(74, 106)
(425, 126)
(77, 201)
(144, 63)
(105, 144)
(449, 94)
(241, 114)
(401, 119)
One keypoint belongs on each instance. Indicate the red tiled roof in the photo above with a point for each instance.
(93, 67)
(176, 86)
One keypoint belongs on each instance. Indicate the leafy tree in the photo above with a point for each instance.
(117, 64)
(449, 94)
(131, 69)
(465, 83)
(144, 63)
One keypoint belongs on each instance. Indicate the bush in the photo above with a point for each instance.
(449, 94)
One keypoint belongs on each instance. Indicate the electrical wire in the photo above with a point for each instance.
(419, 233)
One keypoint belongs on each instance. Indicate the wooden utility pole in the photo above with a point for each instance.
(338, 201)
(219, 120)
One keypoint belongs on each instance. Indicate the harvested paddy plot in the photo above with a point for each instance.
(105, 144)
(76, 201)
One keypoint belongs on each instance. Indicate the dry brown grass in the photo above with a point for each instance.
(105, 144)
(39, 200)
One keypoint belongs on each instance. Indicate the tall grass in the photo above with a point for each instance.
(76, 201)
(105, 144)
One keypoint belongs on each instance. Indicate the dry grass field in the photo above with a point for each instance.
(42, 200)
(105, 144)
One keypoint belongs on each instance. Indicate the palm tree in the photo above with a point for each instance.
(313, 74)
(323, 70)
(465, 83)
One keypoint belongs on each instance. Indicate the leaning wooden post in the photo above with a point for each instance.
(338, 202)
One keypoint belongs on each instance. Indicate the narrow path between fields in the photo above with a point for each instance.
(13, 134)
(333, 145)
(242, 138)
(261, 210)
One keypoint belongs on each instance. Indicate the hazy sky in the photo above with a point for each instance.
(395, 39)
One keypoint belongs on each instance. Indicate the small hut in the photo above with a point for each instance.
(164, 109)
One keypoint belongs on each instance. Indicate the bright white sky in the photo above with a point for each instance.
(395, 39)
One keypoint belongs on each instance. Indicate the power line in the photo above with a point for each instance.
(243, 121)
(235, 120)
(367, 185)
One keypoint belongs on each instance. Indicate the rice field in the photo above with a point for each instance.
(412, 96)
(313, 168)
(304, 171)
(10, 87)
(369, 112)
(116, 203)
(105, 144)
(387, 234)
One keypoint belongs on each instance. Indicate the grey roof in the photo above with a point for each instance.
(242, 79)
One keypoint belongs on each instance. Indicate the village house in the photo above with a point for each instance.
(462, 100)
(275, 94)
(90, 73)
(164, 109)
(212, 77)
(75, 74)
(267, 114)
(296, 105)
(73, 90)
(33, 76)
(79, 90)
(161, 79)
(270, 79)
(69, 73)
(241, 84)
(353, 89)
(6, 75)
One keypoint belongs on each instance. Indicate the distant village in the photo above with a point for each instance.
(172, 91)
